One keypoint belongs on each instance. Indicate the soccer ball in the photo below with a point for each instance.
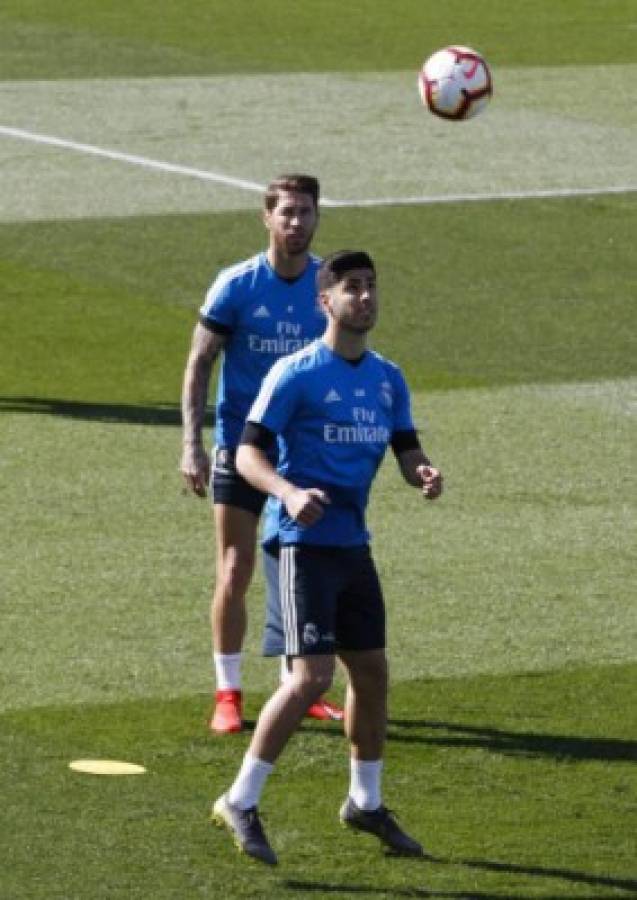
(455, 83)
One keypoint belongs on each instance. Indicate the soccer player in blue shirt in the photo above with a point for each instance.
(334, 407)
(254, 313)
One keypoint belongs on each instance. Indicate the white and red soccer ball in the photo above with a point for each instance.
(455, 83)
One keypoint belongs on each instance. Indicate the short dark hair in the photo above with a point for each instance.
(301, 184)
(338, 264)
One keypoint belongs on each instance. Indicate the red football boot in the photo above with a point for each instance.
(325, 711)
(226, 718)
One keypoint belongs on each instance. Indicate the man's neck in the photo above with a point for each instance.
(348, 344)
(287, 266)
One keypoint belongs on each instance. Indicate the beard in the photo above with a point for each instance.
(296, 246)
(355, 328)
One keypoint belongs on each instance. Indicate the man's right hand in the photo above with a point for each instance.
(195, 468)
(306, 505)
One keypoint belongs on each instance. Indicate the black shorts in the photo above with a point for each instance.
(231, 489)
(321, 600)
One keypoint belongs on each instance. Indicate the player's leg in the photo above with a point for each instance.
(361, 629)
(274, 638)
(365, 726)
(235, 536)
(309, 677)
(237, 809)
(365, 702)
(365, 723)
(237, 508)
(307, 590)
(236, 515)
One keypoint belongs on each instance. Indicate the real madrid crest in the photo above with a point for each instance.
(386, 395)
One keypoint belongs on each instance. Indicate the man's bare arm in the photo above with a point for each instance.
(305, 505)
(195, 462)
(417, 470)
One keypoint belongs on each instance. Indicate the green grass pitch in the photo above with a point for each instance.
(512, 744)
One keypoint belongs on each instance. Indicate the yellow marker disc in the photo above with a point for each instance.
(106, 767)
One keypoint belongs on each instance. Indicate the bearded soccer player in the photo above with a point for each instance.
(335, 407)
(254, 313)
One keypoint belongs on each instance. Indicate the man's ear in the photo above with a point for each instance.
(323, 300)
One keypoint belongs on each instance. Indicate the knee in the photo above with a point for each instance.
(312, 683)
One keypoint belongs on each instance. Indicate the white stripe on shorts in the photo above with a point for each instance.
(288, 604)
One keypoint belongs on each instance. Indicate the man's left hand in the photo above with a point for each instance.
(431, 481)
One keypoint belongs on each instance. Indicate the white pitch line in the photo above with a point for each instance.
(131, 158)
(230, 181)
(496, 195)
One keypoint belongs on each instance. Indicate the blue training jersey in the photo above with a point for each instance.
(266, 318)
(334, 420)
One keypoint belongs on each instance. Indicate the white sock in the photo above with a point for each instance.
(364, 787)
(286, 672)
(247, 787)
(228, 671)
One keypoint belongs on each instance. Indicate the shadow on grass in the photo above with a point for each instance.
(510, 742)
(606, 881)
(574, 877)
(160, 414)
(495, 740)
(343, 890)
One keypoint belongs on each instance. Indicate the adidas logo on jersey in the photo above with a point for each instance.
(331, 397)
(359, 392)
(261, 312)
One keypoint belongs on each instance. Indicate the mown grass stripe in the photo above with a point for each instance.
(253, 186)
(131, 158)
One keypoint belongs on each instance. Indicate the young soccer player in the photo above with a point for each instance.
(255, 312)
(335, 406)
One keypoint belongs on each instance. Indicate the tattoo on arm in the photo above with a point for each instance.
(205, 348)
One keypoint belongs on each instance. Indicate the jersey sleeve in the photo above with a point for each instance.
(220, 304)
(403, 419)
(257, 435)
(277, 398)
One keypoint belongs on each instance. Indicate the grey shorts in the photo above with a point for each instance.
(321, 600)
